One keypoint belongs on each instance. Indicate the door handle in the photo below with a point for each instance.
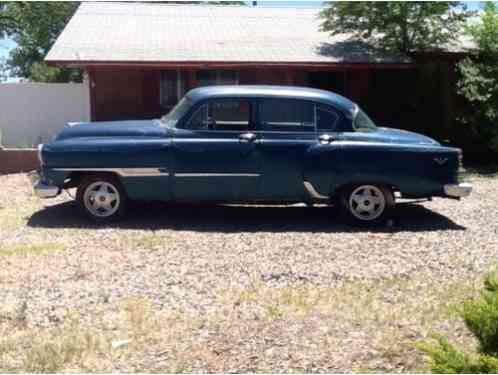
(247, 137)
(325, 138)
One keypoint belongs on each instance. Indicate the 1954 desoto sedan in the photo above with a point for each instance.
(249, 144)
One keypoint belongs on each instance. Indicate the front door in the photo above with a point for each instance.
(214, 156)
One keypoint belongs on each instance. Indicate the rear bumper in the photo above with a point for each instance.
(41, 188)
(461, 190)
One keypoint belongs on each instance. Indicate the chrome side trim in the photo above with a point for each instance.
(123, 172)
(217, 174)
(312, 192)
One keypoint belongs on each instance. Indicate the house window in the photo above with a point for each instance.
(173, 87)
(217, 77)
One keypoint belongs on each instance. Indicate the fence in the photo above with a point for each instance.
(32, 113)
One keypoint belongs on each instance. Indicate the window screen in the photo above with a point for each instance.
(231, 115)
(173, 87)
(217, 77)
(287, 115)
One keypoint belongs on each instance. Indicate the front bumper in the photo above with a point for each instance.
(461, 190)
(41, 188)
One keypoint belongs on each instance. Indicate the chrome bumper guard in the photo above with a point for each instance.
(458, 190)
(42, 190)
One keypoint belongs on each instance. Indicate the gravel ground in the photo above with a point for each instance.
(318, 282)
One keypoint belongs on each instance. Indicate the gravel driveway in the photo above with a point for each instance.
(233, 288)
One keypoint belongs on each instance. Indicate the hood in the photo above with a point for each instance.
(139, 128)
(404, 136)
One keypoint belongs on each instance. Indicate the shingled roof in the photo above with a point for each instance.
(151, 32)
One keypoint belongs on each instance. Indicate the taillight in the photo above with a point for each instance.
(460, 161)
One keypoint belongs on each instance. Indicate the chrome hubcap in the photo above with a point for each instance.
(367, 202)
(101, 199)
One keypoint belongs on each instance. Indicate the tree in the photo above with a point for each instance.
(479, 80)
(35, 26)
(397, 25)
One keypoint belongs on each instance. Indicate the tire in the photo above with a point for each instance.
(102, 198)
(366, 204)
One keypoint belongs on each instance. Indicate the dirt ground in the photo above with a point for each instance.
(235, 288)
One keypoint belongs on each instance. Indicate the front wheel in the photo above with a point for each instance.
(367, 204)
(102, 198)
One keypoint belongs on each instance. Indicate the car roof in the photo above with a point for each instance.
(287, 92)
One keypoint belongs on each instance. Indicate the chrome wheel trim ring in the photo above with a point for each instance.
(101, 199)
(367, 202)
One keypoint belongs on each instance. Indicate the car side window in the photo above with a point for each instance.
(286, 115)
(199, 120)
(233, 115)
(326, 118)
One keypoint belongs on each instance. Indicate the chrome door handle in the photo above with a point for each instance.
(325, 138)
(247, 137)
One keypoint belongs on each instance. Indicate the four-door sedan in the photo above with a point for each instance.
(249, 144)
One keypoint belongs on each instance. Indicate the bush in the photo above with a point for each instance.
(481, 318)
(479, 82)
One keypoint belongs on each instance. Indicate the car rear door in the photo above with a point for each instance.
(286, 130)
(214, 157)
(323, 161)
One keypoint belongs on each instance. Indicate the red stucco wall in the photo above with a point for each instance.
(18, 160)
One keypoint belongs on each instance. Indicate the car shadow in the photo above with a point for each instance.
(232, 219)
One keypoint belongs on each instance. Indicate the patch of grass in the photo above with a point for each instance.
(30, 249)
(52, 353)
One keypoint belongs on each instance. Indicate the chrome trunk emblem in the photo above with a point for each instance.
(440, 161)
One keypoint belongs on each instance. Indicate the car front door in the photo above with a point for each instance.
(214, 156)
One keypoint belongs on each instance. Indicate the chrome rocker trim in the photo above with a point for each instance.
(217, 174)
(42, 189)
(123, 172)
(312, 192)
(461, 190)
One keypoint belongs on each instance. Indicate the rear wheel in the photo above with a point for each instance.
(102, 198)
(367, 203)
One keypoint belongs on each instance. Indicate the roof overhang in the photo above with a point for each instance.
(195, 65)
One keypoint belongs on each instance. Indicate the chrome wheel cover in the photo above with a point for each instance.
(367, 202)
(101, 199)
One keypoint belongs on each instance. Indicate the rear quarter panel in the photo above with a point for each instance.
(410, 168)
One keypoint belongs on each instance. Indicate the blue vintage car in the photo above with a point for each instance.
(249, 144)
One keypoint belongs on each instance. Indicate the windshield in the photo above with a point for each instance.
(363, 123)
(178, 111)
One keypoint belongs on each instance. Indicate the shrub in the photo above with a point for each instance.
(479, 82)
(481, 318)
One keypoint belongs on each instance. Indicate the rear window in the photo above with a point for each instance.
(363, 123)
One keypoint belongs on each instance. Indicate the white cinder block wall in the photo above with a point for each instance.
(32, 113)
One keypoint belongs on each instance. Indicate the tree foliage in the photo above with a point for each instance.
(397, 25)
(481, 317)
(479, 80)
(34, 27)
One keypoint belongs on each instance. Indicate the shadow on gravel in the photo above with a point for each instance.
(232, 219)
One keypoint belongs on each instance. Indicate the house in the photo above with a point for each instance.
(140, 58)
